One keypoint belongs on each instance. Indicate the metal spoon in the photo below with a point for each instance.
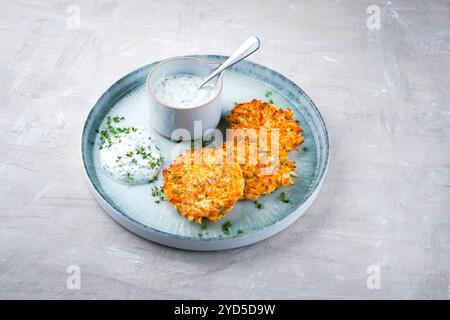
(246, 49)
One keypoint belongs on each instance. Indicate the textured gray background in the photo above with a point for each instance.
(383, 93)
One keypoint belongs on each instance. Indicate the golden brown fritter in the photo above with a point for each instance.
(257, 114)
(264, 171)
(258, 183)
(201, 184)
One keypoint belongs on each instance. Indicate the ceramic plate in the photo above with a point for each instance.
(135, 208)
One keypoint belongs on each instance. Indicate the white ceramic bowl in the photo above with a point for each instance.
(196, 119)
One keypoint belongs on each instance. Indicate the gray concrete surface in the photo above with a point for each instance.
(384, 93)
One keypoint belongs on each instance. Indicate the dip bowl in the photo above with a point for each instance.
(187, 122)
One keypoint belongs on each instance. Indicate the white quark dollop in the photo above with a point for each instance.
(131, 156)
(182, 90)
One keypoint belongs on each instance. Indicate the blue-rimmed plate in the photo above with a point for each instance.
(135, 208)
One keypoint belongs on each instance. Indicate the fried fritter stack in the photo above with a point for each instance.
(207, 182)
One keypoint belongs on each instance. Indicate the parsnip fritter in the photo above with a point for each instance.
(257, 114)
(258, 184)
(201, 184)
(264, 171)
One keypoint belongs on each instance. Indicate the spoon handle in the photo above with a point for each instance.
(246, 49)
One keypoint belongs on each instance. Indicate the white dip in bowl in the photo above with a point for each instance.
(131, 157)
(182, 90)
(179, 108)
